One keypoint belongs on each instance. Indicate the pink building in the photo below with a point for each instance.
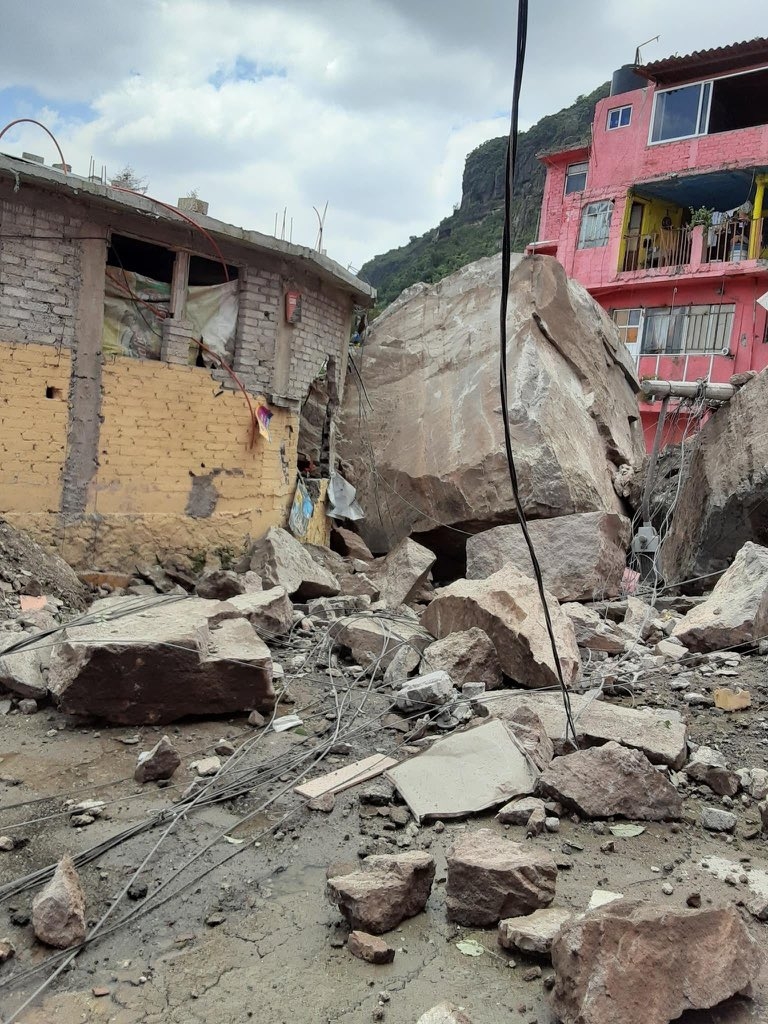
(660, 217)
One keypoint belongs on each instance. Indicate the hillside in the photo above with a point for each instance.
(474, 228)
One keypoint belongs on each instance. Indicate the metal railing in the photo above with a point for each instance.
(668, 247)
(732, 240)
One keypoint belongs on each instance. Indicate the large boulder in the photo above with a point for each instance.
(611, 782)
(402, 573)
(32, 570)
(268, 611)
(582, 557)
(434, 433)
(58, 910)
(490, 878)
(507, 607)
(723, 498)
(632, 962)
(736, 612)
(467, 656)
(21, 671)
(282, 561)
(179, 658)
(388, 889)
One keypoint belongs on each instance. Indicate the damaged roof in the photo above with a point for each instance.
(26, 172)
(706, 63)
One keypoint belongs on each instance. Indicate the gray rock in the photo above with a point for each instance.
(386, 891)
(611, 781)
(158, 763)
(282, 561)
(593, 632)
(709, 767)
(375, 642)
(714, 819)
(220, 585)
(403, 664)
(467, 655)
(7, 950)
(444, 1013)
(403, 572)
(425, 692)
(28, 706)
(58, 910)
(22, 671)
(529, 731)
(533, 933)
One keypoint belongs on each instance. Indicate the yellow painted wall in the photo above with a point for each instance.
(654, 212)
(33, 434)
(164, 426)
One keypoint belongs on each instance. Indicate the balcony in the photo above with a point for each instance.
(675, 249)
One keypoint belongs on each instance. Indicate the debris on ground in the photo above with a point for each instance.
(158, 763)
(699, 958)
(533, 933)
(58, 910)
(387, 890)
(444, 1013)
(370, 947)
(467, 656)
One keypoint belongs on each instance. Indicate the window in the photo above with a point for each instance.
(595, 224)
(681, 113)
(619, 117)
(576, 178)
(628, 322)
(686, 329)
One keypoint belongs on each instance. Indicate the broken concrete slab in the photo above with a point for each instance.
(467, 656)
(181, 657)
(267, 610)
(736, 612)
(426, 692)
(158, 763)
(386, 891)
(507, 607)
(490, 878)
(58, 910)
(403, 571)
(533, 933)
(611, 782)
(464, 773)
(709, 767)
(593, 632)
(660, 734)
(282, 561)
(376, 641)
(582, 556)
(702, 957)
(370, 948)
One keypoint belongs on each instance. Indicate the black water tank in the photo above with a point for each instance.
(626, 80)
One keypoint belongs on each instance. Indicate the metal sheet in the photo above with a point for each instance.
(465, 773)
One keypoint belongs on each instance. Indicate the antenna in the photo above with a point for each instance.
(637, 51)
(321, 223)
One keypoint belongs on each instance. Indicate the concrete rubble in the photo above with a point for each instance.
(699, 958)
(490, 879)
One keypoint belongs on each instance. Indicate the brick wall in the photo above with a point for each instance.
(324, 331)
(39, 274)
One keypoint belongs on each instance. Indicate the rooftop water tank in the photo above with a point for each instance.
(626, 80)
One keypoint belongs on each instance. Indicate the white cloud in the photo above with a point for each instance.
(371, 105)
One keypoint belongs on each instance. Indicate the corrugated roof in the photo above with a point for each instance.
(703, 63)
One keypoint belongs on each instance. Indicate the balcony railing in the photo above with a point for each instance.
(727, 241)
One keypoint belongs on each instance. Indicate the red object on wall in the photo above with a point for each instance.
(293, 307)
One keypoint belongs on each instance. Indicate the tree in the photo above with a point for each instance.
(128, 178)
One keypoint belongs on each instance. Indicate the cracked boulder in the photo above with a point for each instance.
(632, 962)
(736, 612)
(387, 890)
(582, 557)
(507, 607)
(490, 878)
(58, 910)
(282, 561)
(178, 658)
(467, 656)
(611, 782)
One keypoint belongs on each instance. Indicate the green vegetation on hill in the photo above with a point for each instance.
(474, 228)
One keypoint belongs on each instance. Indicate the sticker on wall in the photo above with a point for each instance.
(301, 511)
(264, 415)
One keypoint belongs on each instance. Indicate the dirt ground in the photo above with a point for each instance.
(256, 938)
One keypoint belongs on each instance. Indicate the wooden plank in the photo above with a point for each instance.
(179, 284)
(349, 775)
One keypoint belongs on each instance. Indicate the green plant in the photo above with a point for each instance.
(702, 216)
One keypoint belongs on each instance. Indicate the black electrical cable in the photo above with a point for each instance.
(506, 254)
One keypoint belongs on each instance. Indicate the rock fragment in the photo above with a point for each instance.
(533, 933)
(282, 561)
(593, 632)
(444, 1013)
(158, 763)
(715, 819)
(220, 585)
(425, 692)
(611, 781)
(350, 544)
(467, 656)
(518, 812)
(490, 878)
(267, 610)
(528, 729)
(709, 767)
(387, 890)
(7, 950)
(58, 910)
(403, 572)
(28, 706)
(506, 606)
(370, 948)
(702, 957)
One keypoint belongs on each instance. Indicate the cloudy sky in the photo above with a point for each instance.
(370, 105)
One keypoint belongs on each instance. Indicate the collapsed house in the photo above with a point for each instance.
(154, 369)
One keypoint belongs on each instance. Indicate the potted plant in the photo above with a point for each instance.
(701, 217)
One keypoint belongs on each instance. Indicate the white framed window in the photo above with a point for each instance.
(619, 117)
(681, 113)
(687, 329)
(576, 178)
(595, 224)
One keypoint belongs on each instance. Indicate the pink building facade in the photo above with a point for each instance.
(661, 216)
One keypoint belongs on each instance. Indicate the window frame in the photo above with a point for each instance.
(595, 243)
(685, 324)
(705, 86)
(585, 172)
(619, 110)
